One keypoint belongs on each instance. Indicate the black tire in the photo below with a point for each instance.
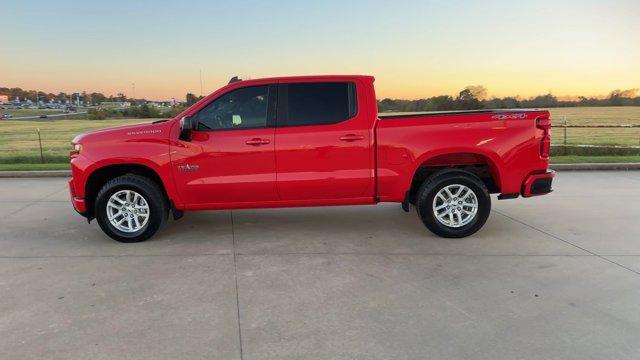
(149, 190)
(437, 182)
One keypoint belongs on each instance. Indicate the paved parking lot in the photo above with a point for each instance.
(556, 277)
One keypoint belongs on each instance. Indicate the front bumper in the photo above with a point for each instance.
(78, 203)
(538, 184)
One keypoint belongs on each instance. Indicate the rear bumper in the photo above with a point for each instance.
(78, 203)
(538, 184)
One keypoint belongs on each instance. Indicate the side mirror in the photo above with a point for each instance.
(187, 125)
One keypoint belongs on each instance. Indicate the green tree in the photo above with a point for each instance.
(192, 99)
(542, 101)
(478, 91)
(467, 101)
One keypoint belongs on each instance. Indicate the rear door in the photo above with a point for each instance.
(323, 142)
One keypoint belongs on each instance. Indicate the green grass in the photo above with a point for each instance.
(24, 167)
(574, 159)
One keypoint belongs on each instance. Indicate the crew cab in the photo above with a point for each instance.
(308, 141)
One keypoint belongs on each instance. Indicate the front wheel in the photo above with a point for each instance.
(453, 203)
(130, 208)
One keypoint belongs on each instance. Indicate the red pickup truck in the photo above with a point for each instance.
(308, 141)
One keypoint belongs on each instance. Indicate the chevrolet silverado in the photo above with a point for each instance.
(308, 141)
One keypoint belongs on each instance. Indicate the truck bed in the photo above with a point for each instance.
(476, 137)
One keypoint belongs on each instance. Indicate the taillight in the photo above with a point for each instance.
(544, 124)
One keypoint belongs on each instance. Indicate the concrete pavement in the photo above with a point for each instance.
(550, 277)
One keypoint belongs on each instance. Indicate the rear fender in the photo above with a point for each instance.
(459, 157)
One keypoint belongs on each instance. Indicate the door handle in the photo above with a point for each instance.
(351, 137)
(257, 142)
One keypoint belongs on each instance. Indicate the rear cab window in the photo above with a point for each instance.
(316, 103)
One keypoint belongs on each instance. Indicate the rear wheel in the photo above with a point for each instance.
(131, 208)
(453, 203)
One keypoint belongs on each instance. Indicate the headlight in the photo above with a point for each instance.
(75, 151)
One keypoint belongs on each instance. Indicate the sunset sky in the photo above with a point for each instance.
(413, 48)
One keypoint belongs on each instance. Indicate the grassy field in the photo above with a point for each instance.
(621, 115)
(608, 115)
(599, 136)
(19, 139)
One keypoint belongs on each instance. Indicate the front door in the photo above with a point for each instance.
(230, 158)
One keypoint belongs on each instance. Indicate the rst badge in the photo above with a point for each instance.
(188, 168)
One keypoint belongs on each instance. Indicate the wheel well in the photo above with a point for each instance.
(101, 176)
(476, 164)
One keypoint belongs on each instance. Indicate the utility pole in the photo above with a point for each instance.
(133, 86)
(200, 82)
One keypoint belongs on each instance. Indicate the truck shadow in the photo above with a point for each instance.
(321, 229)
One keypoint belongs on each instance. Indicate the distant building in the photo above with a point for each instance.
(4, 99)
(158, 104)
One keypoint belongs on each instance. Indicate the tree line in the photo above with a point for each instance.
(475, 97)
(469, 98)
(35, 95)
(93, 98)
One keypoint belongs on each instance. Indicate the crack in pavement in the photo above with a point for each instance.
(235, 275)
(33, 203)
(568, 242)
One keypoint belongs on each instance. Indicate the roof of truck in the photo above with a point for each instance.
(310, 77)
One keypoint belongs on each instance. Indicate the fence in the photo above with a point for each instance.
(36, 146)
(606, 135)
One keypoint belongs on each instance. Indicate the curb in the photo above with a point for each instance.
(558, 167)
(35, 174)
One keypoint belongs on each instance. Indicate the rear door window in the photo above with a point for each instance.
(317, 103)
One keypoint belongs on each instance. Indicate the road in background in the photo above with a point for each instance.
(49, 116)
(554, 277)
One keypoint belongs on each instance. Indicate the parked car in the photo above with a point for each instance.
(308, 141)
(7, 116)
(43, 116)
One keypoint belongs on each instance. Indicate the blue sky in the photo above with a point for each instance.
(414, 48)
